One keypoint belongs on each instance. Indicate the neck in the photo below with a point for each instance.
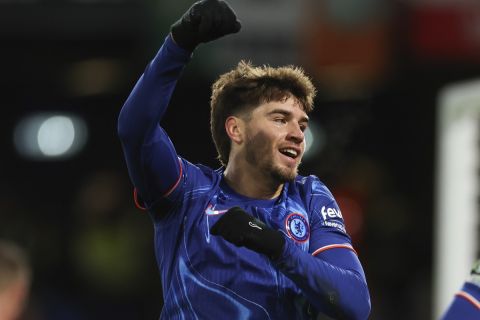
(251, 182)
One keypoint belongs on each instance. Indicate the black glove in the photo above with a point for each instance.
(241, 229)
(204, 21)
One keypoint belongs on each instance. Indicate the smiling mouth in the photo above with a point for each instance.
(291, 153)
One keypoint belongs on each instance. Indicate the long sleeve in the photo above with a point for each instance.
(465, 305)
(328, 272)
(333, 280)
(151, 158)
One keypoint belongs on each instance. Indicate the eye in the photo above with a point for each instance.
(303, 127)
(280, 120)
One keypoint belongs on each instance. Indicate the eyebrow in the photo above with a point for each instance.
(288, 114)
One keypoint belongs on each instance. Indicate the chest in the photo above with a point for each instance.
(288, 215)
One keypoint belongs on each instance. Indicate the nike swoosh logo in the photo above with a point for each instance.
(209, 211)
(253, 225)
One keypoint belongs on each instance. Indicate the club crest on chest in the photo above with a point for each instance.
(297, 227)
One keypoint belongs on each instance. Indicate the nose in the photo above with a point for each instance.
(295, 133)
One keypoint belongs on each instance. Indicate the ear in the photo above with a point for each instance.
(234, 126)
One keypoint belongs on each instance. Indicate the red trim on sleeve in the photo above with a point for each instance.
(135, 193)
(334, 246)
(469, 298)
(177, 182)
(135, 199)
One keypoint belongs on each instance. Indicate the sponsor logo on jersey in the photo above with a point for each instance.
(331, 213)
(297, 227)
(210, 212)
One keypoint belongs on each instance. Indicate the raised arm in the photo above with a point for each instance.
(151, 158)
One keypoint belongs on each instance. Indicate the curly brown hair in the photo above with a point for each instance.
(242, 89)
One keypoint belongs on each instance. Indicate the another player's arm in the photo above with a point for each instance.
(151, 159)
(466, 303)
(332, 280)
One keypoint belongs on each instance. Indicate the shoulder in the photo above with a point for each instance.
(318, 197)
(199, 171)
(312, 192)
(322, 206)
(196, 178)
(312, 186)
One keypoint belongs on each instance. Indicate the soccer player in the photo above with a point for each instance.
(252, 239)
(466, 303)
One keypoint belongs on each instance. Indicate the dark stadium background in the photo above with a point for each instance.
(91, 250)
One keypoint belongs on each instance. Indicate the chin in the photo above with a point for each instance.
(284, 175)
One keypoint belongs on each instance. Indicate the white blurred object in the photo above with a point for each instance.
(50, 136)
(457, 190)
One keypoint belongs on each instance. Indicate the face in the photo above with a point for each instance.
(275, 139)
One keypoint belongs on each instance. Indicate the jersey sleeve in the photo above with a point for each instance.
(193, 182)
(326, 221)
(330, 274)
(465, 304)
(151, 159)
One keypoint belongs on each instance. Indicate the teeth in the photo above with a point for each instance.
(290, 152)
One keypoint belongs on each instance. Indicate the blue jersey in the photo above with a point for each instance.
(465, 305)
(206, 277)
(199, 270)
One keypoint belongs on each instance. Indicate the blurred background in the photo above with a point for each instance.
(381, 69)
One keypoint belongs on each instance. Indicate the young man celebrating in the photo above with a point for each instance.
(253, 239)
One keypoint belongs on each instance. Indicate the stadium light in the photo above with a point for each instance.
(50, 136)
